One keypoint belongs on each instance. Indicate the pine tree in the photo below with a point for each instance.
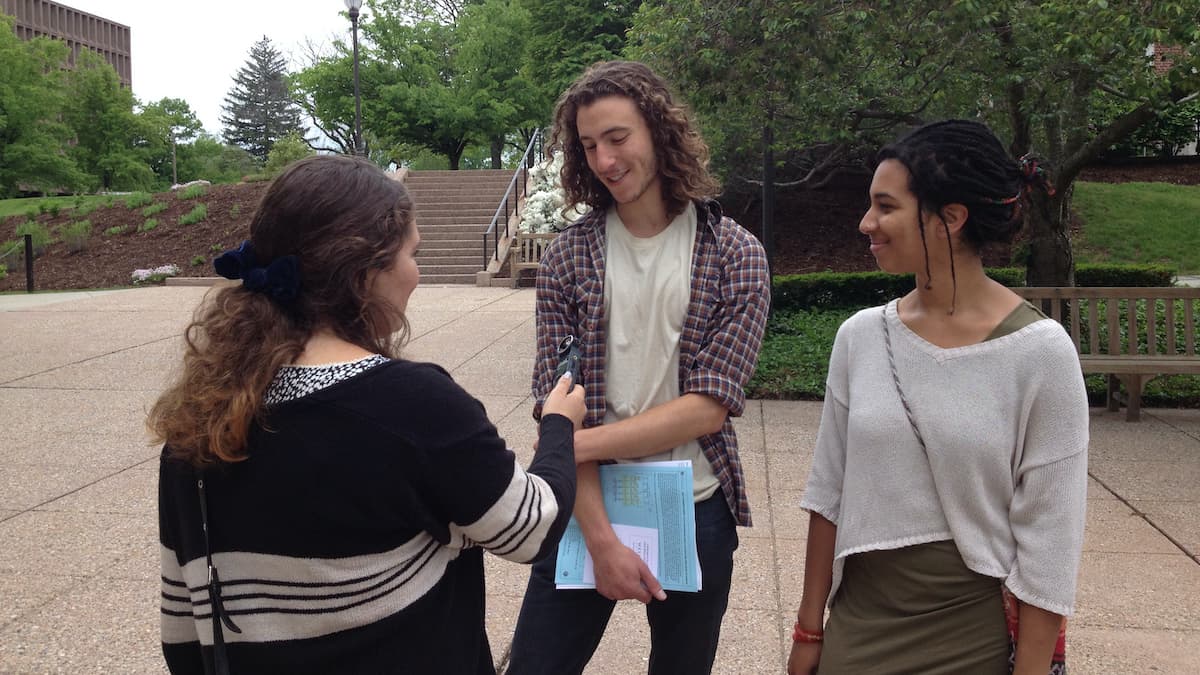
(258, 108)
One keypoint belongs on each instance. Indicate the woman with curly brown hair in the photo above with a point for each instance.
(668, 298)
(324, 503)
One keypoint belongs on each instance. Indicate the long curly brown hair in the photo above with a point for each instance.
(344, 220)
(682, 154)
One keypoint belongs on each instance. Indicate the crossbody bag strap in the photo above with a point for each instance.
(887, 340)
(912, 420)
(219, 617)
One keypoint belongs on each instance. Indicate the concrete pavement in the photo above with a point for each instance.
(78, 535)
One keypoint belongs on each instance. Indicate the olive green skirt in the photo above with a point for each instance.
(917, 609)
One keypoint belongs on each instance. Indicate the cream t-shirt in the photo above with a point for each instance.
(647, 288)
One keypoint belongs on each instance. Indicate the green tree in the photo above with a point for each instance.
(209, 159)
(258, 108)
(33, 139)
(493, 39)
(860, 72)
(437, 74)
(567, 36)
(1165, 136)
(285, 151)
(324, 90)
(100, 113)
(418, 93)
(173, 122)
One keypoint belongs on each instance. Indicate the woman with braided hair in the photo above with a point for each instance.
(949, 479)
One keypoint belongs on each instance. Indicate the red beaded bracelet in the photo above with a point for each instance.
(801, 635)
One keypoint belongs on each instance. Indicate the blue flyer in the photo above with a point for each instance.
(651, 510)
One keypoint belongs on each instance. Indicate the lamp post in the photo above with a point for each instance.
(353, 6)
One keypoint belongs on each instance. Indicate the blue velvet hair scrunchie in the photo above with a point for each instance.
(280, 280)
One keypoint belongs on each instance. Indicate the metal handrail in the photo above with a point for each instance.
(514, 193)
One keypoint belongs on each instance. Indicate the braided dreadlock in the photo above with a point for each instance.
(962, 162)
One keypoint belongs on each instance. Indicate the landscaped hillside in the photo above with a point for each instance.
(815, 230)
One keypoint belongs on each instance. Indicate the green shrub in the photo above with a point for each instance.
(32, 214)
(156, 207)
(216, 248)
(285, 151)
(150, 224)
(138, 200)
(11, 252)
(198, 213)
(1160, 326)
(193, 191)
(1108, 274)
(235, 210)
(116, 229)
(832, 290)
(198, 260)
(3, 271)
(53, 209)
(39, 233)
(43, 207)
(1171, 391)
(85, 209)
(835, 290)
(256, 177)
(76, 235)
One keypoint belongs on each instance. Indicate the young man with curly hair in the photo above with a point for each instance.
(669, 299)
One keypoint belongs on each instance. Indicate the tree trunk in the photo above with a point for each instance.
(1050, 260)
(454, 158)
(497, 149)
(768, 191)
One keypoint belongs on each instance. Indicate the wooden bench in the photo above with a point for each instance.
(527, 249)
(1131, 335)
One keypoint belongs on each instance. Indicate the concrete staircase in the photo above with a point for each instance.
(454, 209)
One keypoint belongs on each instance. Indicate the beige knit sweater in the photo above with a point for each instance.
(1005, 422)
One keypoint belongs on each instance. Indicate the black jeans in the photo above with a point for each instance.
(558, 631)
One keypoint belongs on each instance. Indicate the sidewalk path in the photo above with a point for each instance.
(78, 531)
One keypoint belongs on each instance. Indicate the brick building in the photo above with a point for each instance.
(79, 30)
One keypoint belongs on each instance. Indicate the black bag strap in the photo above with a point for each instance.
(219, 617)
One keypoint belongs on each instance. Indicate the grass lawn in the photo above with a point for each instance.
(1139, 223)
(14, 207)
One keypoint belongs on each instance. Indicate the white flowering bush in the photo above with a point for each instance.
(153, 276)
(545, 200)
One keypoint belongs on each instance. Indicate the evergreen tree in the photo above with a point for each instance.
(259, 109)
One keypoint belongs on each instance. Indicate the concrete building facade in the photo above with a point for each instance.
(79, 30)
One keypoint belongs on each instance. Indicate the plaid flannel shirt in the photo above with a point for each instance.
(719, 343)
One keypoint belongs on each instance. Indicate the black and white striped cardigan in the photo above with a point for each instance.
(351, 538)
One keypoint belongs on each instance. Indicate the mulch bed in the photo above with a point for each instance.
(109, 260)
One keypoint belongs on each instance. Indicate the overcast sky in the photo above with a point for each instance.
(191, 50)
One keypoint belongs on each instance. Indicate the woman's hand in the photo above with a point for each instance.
(804, 658)
(571, 405)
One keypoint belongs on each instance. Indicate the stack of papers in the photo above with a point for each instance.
(652, 512)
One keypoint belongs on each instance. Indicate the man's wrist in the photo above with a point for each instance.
(583, 445)
(599, 537)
